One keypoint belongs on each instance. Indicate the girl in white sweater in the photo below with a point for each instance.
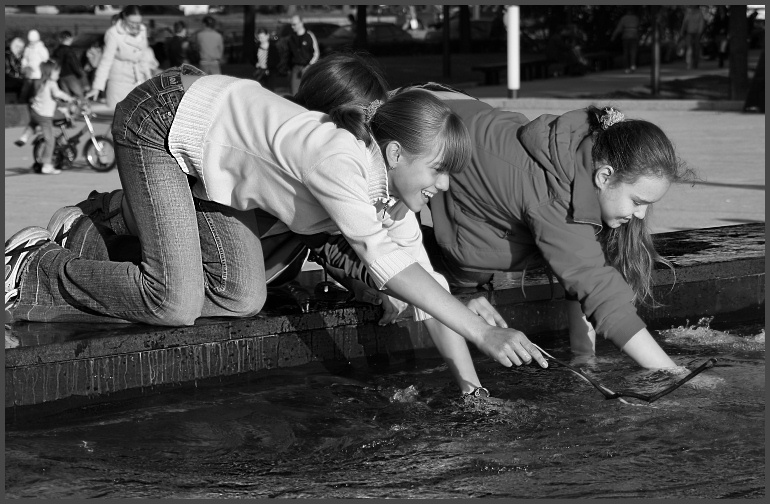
(363, 171)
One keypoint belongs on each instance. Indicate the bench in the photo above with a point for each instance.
(600, 61)
(530, 68)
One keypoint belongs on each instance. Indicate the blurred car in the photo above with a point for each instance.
(481, 29)
(378, 36)
(107, 10)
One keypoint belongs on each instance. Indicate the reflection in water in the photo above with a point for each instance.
(366, 432)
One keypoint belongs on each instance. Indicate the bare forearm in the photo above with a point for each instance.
(507, 346)
(454, 349)
(415, 286)
(646, 352)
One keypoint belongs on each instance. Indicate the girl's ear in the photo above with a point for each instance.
(603, 176)
(393, 153)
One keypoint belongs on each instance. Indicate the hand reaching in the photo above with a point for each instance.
(92, 94)
(510, 347)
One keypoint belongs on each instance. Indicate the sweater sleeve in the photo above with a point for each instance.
(340, 186)
(576, 258)
(108, 56)
(406, 233)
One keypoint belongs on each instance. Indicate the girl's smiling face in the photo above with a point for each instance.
(623, 201)
(414, 179)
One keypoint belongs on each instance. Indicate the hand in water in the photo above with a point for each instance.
(510, 347)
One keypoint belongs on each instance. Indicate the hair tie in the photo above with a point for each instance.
(610, 117)
(370, 110)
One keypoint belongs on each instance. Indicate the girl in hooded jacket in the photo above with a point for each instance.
(570, 192)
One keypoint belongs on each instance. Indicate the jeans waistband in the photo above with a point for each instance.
(171, 79)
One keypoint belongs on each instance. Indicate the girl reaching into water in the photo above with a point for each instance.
(571, 191)
(198, 151)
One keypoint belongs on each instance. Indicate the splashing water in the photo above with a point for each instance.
(403, 432)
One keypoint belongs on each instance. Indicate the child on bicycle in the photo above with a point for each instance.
(43, 110)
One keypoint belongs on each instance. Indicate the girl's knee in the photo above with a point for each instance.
(177, 308)
(177, 314)
(249, 302)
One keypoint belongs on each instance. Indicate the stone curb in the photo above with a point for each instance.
(576, 103)
(719, 272)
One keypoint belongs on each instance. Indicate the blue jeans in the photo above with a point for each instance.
(183, 274)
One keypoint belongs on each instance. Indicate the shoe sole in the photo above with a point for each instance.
(61, 222)
(17, 247)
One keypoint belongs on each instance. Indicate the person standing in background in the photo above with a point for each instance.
(302, 51)
(267, 60)
(14, 77)
(124, 63)
(34, 54)
(210, 46)
(720, 27)
(693, 25)
(178, 45)
(628, 29)
(72, 77)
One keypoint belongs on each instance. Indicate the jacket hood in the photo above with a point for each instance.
(562, 147)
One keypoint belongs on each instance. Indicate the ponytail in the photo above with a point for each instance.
(634, 148)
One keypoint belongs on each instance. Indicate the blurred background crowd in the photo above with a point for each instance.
(573, 38)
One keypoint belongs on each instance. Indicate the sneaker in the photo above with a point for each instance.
(49, 169)
(18, 249)
(61, 223)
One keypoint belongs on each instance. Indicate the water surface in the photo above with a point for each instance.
(361, 431)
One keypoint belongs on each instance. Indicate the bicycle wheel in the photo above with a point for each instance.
(37, 150)
(104, 162)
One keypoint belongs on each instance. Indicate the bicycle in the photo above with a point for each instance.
(99, 152)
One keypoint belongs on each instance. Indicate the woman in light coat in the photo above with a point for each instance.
(126, 60)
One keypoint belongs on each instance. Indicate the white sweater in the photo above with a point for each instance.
(251, 148)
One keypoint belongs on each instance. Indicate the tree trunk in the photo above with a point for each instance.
(249, 27)
(360, 39)
(465, 29)
(739, 53)
(446, 60)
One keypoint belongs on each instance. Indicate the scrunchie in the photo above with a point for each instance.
(370, 110)
(610, 117)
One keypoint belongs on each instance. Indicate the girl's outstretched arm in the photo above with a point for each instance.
(454, 349)
(582, 336)
(646, 351)
(507, 346)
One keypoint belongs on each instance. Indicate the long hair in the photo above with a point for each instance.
(46, 69)
(634, 148)
(342, 85)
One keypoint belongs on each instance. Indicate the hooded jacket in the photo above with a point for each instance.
(528, 192)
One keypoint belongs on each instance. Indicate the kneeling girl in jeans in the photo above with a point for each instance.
(362, 170)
